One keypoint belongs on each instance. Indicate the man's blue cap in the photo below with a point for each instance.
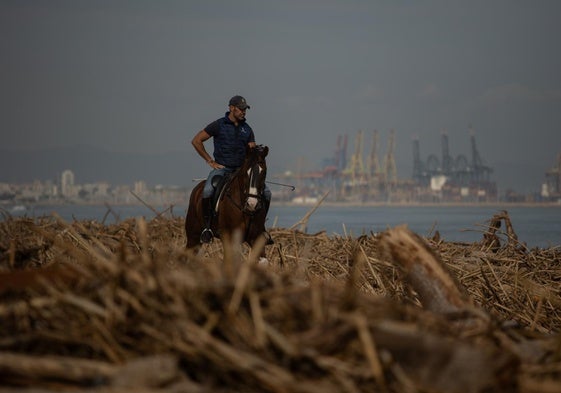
(239, 102)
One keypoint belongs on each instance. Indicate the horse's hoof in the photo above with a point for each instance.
(206, 236)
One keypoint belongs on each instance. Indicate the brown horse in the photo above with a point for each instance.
(240, 204)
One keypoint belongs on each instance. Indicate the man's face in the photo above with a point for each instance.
(239, 114)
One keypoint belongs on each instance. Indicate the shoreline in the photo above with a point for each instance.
(421, 204)
(308, 205)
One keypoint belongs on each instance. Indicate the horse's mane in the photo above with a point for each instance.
(255, 153)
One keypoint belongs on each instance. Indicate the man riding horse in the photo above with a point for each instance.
(231, 136)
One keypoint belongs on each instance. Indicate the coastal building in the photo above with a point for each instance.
(67, 180)
(551, 188)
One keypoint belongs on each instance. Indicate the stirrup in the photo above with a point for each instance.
(207, 235)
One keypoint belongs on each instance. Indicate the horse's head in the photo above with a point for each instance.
(255, 167)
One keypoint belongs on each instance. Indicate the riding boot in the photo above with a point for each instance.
(207, 235)
(266, 204)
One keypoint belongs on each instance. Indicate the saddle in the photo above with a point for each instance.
(219, 186)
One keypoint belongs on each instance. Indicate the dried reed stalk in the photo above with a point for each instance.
(328, 313)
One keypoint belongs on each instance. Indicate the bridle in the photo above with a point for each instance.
(254, 191)
(250, 190)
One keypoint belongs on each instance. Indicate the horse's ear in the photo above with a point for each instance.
(262, 150)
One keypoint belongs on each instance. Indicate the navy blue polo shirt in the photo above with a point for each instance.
(230, 141)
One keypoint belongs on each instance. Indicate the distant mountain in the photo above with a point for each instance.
(92, 164)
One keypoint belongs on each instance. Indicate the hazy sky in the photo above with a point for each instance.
(141, 76)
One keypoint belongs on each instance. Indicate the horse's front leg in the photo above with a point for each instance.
(257, 245)
(193, 249)
(256, 236)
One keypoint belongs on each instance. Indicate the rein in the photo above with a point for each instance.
(243, 197)
(244, 194)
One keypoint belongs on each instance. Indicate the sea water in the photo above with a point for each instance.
(537, 226)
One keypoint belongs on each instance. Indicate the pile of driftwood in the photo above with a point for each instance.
(86, 307)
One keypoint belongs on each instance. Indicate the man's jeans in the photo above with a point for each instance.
(208, 190)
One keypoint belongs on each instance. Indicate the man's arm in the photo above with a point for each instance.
(198, 144)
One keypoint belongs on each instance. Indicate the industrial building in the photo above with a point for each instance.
(453, 179)
(374, 178)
